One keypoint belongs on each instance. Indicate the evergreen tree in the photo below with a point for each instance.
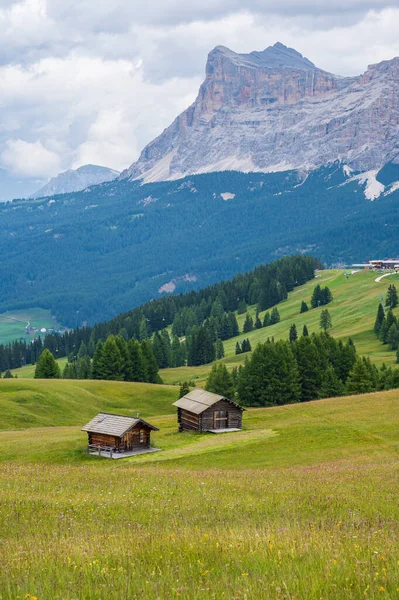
(248, 324)
(359, 379)
(184, 390)
(151, 364)
(309, 362)
(258, 322)
(392, 297)
(305, 331)
(266, 319)
(82, 350)
(379, 319)
(220, 381)
(275, 316)
(46, 366)
(316, 297)
(219, 349)
(270, 377)
(242, 307)
(69, 371)
(97, 365)
(304, 307)
(293, 334)
(8, 375)
(238, 348)
(111, 363)
(325, 320)
(125, 362)
(246, 346)
(83, 368)
(393, 337)
(331, 386)
(137, 364)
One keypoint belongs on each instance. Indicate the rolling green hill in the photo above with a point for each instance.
(301, 504)
(353, 313)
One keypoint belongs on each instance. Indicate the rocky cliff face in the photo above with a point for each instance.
(275, 110)
(74, 181)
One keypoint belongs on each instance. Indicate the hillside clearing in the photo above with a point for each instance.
(301, 504)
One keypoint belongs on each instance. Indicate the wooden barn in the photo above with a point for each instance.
(117, 436)
(204, 411)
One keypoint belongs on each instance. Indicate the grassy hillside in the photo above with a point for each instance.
(353, 313)
(301, 504)
(13, 323)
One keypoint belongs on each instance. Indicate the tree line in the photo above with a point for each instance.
(308, 368)
(211, 309)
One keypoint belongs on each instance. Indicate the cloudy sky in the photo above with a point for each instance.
(92, 81)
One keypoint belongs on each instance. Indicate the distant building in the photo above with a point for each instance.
(204, 411)
(117, 436)
(384, 264)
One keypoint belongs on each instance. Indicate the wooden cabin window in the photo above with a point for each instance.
(142, 436)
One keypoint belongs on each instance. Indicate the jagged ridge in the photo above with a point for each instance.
(275, 110)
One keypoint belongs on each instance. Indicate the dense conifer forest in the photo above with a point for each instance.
(90, 255)
(205, 318)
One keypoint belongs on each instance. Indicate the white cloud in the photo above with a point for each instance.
(95, 81)
(29, 159)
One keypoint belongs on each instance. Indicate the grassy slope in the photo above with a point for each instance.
(353, 313)
(13, 323)
(301, 504)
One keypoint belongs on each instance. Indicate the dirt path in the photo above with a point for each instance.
(382, 276)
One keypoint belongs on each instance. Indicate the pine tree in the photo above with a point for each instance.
(392, 297)
(46, 366)
(246, 346)
(316, 297)
(266, 319)
(83, 367)
(331, 386)
(305, 331)
(82, 350)
(325, 320)
(293, 334)
(97, 365)
(379, 319)
(219, 349)
(220, 381)
(112, 363)
(242, 307)
(150, 362)
(137, 364)
(275, 316)
(304, 307)
(8, 375)
(393, 337)
(258, 322)
(359, 379)
(248, 324)
(238, 348)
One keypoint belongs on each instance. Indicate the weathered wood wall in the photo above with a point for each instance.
(189, 421)
(234, 415)
(100, 439)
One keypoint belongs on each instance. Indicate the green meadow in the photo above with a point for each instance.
(353, 311)
(302, 504)
(13, 323)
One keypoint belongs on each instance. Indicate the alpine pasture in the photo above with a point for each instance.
(300, 504)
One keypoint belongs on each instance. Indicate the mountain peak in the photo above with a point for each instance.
(277, 56)
(76, 180)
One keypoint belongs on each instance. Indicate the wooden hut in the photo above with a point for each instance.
(118, 434)
(204, 411)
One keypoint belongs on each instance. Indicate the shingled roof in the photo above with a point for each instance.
(199, 400)
(116, 425)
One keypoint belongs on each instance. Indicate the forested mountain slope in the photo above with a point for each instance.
(90, 255)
